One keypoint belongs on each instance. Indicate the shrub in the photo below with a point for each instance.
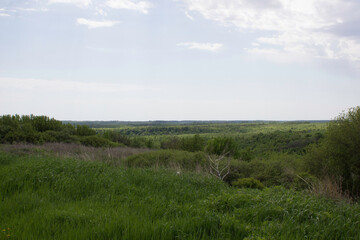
(117, 136)
(96, 141)
(338, 157)
(84, 131)
(248, 183)
(221, 146)
(271, 172)
(193, 144)
(171, 143)
(56, 136)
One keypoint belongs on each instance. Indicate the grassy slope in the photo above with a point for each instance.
(57, 198)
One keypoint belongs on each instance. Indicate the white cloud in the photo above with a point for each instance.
(33, 9)
(293, 27)
(3, 13)
(212, 47)
(95, 24)
(142, 6)
(100, 11)
(78, 3)
(189, 16)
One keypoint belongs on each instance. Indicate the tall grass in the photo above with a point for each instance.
(114, 155)
(45, 197)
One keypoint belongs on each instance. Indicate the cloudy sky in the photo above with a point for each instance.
(179, 59)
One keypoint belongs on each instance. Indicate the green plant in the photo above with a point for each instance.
(222, 146)
(248, 183)
(83, 130)
(338, 156)
(96, 141)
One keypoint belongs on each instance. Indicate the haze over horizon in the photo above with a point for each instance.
(132, 60)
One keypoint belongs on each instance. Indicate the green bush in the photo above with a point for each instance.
(171, 143)
(222, 146)
(59, 136)
(83, 130)
(271, 172)
(181, 160)
(338, 156)
(116, 136)
(193, 144)
(96, 141)
(248, 183)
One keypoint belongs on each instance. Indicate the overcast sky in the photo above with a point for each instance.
(179, 59)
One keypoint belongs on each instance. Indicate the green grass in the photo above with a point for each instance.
(44, 197)
(216, 129)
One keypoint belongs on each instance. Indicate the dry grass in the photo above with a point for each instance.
(72, 150)
(330, 188)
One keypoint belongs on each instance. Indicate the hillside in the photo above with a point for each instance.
(48, 197)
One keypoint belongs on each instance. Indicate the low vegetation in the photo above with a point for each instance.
(46, 197)
(204, 180)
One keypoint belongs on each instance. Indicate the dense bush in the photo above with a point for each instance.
(278, 170)
(338, 156)
(30, 129)
(116, 136)
(96, 141)
(248, 183)
(83, 130)
(171, 143)
(59, 136)
(41, 129)
(130, 141)
(191, 144)
(222, 146)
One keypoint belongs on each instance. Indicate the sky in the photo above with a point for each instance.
(145, 60)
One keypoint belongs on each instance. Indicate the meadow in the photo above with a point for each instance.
(49, 197)
(155, 180)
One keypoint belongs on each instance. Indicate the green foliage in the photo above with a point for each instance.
(277, 170)
(191, 144)
(339, 154)
(130, 141)
(175, 159)
(30, 129)
(96, 141)
(59, 136)
(248, 183)
(57, 198)
(83, 130)
(116, 136)
(222, 146)
(171, 143)
(41, 129)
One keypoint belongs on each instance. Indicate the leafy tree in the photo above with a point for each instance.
(222, 146)
(343, 142)
(339, 154)
(84, 130)
(193, 144)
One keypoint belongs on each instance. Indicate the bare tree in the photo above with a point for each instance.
(219, 165)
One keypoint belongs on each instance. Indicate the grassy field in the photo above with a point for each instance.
(213, 129)
(44, 196)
